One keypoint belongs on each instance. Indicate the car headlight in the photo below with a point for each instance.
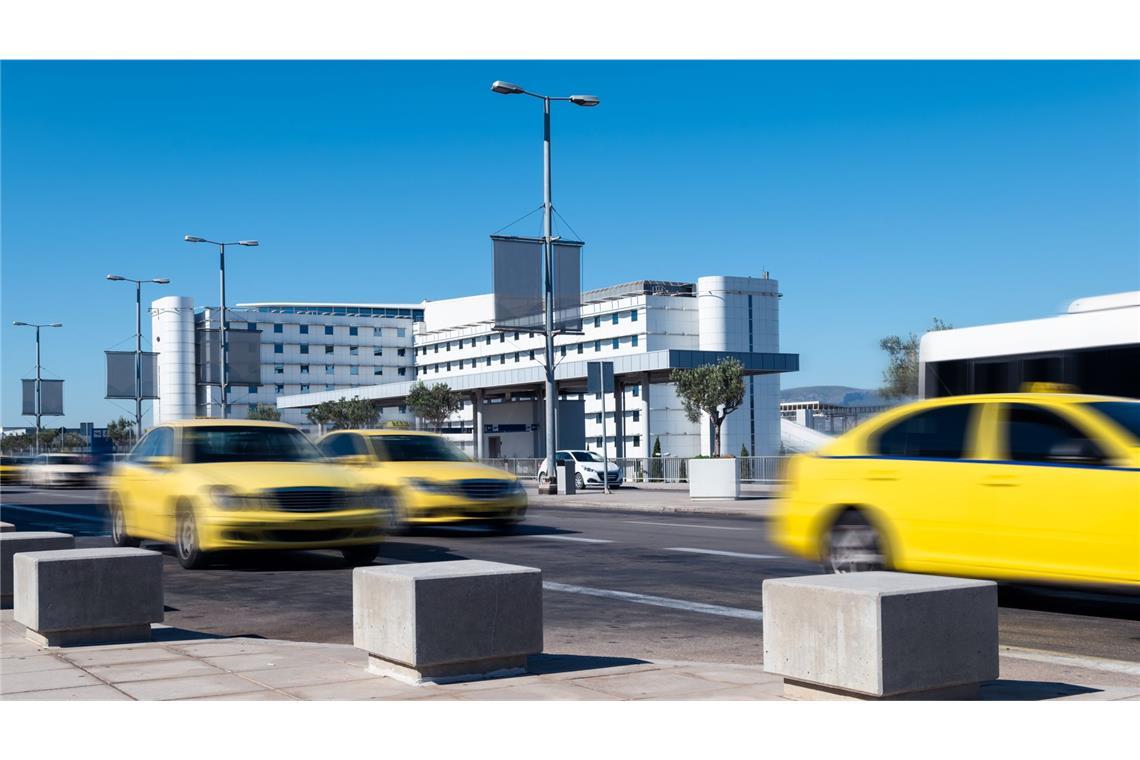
(516, 486)
(430, 486)
(226, 498)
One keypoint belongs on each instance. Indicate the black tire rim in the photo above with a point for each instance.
(854, 548)
(187, 537)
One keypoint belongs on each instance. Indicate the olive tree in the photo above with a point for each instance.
(900, 378)
(433, 403)
(345, 413)
(714, 389)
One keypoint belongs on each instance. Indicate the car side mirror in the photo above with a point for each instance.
(159, 463)
(1075, 451)
(355, 459)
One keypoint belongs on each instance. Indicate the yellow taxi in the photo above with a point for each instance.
(433, 480)
(211, 485)
(12, 469)
(1036, 487)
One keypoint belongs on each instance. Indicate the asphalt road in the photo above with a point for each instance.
(637, 585)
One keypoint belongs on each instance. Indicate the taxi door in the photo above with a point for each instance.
(150, 476)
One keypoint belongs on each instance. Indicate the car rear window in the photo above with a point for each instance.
(229, 443)
(938, 433)
(1126, 414)
(416, 448)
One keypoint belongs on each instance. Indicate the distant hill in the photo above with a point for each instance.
(834, 394)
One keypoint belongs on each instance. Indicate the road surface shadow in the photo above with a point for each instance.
(475, 531)
(1009, 690)
(406, 551)
(1069, 601)
(545, 664)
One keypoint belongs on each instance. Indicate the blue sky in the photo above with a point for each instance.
(880, 194)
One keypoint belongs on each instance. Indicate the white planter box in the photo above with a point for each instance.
(713, 479)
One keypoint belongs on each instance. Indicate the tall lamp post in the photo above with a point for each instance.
(506, 88)
(39, 407)
(222, 266)
(138, 342)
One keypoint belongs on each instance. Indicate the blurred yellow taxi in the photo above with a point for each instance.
(433, 480)
(12, 469)
(210, 485)
(1023, 486)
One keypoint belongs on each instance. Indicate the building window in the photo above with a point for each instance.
(436, 347)
(277, 328)
(399, 352)
(637, 415)
(532, 354)
(328, 349)
(597, 321)
(252, 389)
(378, 371)
(488, 340)
(488, 361)
(562, 351)
(531, 335)
(616, 343)
(615, 317)
(279, 369)
(377, 331)
(328, 329)
(279, 389)
(354, 370)
(304, 369)
(633, 340)
(460, 364)
(401, 332)
(597, 345)
(598, 418)
(598, 442)
(352, 331)
(401, 371)
(502, 337)
(330, 369)
(403, 409)
(304, 329)
(379, 351)
(449, 366)
(437, 369)
(278, 348)
(516, 336)
(304, 348)
(633, 316)
(516, 356)
(448, 346)
(304, 388)
(579, 348)
(502, 358)
(635, 390)
(636, 438)
(354, 351)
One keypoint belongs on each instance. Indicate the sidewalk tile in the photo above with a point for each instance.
(376, 687)
(98, 692)
(742, 676)
(87, 658)
(46, 679)
(149, 671)
(184, 688)
(265, 695)
(308, 675)
(279, 658)
(733, 694)
(30, 663)
(534, 691)
(655, 683)
(224, 647)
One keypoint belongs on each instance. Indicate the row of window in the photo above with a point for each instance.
(635, 416)
(533, 354)
(417, 315)
(330, 369)
(279, 348)
(279, 328)
(473, 342)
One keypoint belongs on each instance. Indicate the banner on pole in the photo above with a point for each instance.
(121, 374)
(517, 268)
(51, 398)
(568, 286)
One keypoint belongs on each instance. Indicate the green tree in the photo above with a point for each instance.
(900, 378)
(433, 403)
(69, 441)
(343, 414)
(655, 465)
(264, 412)
(745, 463)
(715, 389)
(17, 442)
(121, 431)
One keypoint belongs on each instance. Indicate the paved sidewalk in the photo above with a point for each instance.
(755, 501)
(182, 665)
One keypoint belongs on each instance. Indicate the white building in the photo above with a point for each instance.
(301, 348)
(647, 328)
(1094, 345)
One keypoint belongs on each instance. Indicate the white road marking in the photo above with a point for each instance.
(579, 539)
(1074, 661)
(682, 525)
(657, 601)
(51, 512)
(720, 553)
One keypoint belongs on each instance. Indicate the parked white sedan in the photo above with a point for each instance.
(588, 467)
(56, 470)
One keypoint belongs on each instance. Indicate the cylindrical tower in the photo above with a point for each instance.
(172, 325)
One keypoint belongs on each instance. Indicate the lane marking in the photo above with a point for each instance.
(1075, 661)
(579, 539)
(657, 601)
(720, 553)
(5, 507)
(683, 525)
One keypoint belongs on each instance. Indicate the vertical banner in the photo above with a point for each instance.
(517, 265)
(568, 286)
(244, 357)
(121, 374)
(51, 398)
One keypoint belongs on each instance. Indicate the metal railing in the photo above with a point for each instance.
(658, 469)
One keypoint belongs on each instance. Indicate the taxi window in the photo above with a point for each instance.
(338, 446)
(1034, 434)
(938, 433)
(144, 448)
(163, 442)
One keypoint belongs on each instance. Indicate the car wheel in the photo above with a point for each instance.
(398, 521)
(579, 482)
(186, 544)
(542, 477)
(359, 556)
(854, 546)
(119, 535)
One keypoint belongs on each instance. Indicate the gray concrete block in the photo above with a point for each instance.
(881, 634)
(12, 542)
(447, 621)
(87, 596)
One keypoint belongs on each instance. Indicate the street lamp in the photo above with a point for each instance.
(39, 407)
(138, 342)
(507, 88)
(222, 262)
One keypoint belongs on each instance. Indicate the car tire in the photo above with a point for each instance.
(119, 535)
(187, 546)
(579, 482)
(542, 478)
(854, 545)
(360, 556)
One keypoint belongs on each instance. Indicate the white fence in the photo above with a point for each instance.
(659, 469)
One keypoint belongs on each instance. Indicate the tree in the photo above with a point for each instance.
(355, 412)
(715, 389)
(121, 431)
(433, 403)
(264, 412)
(70, 441)
(17, 442)
(745, 463)
(655, 466)
(900, 378)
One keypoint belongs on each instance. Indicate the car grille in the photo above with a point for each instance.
(307, 499)
(483, 489)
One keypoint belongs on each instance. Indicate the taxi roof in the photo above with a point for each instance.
(206, 422)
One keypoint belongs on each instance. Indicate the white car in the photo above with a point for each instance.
(52, 470)
(588, 467)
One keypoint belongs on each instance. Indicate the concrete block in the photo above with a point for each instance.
(87, 596)
(25, 541)
(880, 635)
(447, 621)
(713, 479)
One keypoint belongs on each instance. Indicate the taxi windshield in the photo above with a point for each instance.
(1123, 413)
(229, 443)
(417, 448)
